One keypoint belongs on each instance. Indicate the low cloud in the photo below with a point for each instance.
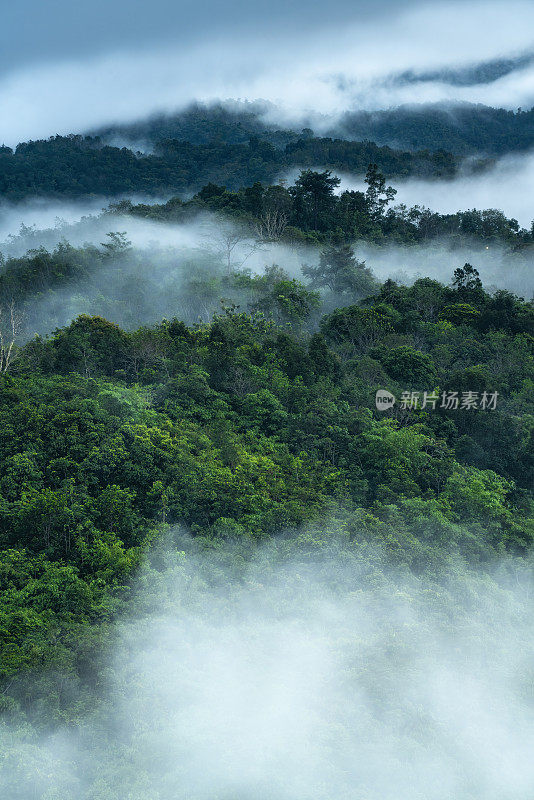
(179, 269)
(302, 677)
(507, 186)
(327, 69)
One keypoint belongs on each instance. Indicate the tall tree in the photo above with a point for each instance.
(340, 271)
(314, 199)
(378, 195)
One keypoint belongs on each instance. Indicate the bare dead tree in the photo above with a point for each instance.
(271, 225)
(240, 384)
(146, 352)
(235, 245)
(11, 320)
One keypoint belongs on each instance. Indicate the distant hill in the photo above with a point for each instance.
(232, 145)
(232, 123)
(461, 129)
(472, 75)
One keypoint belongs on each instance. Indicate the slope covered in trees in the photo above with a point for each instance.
(244, 427)
(460, 128)
(463, 129)
(184, 152)
(77, 166)
(313, 209)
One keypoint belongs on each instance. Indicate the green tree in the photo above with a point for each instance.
(340, 271)
(378, 195)
(314, 199)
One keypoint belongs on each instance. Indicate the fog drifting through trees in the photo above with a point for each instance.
(227, 572)
(306, 675)
(155, 276)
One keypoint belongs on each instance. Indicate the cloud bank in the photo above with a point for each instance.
(507, 186)
(325, 67)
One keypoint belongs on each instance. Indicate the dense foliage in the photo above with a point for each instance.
(463, 129)
(311, 211)
(242, 428)
(226, 570)
(182, 392)
(77, 166)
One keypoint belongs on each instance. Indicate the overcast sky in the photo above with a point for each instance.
(68, 67)
(33, 31)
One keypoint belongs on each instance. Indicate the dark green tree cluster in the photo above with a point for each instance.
(314, 210)
(81, 166)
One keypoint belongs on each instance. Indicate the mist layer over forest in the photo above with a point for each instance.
(136, 262)
(182, 269)
(307, 670)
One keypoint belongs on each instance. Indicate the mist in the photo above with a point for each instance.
(291, 674)
(42, 223)
(185, 269)
(165, 270)
(33, 222)
(302, 65)
(384, 648)
(507, 186)
(498, 267)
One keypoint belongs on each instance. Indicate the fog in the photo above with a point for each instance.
(24, 227)
(301, 676)
(44, 216)
(166, 270)
(184, 269)
(312, 667)
(498, 268)
(347, 61)
(507, 186)
(41, 223)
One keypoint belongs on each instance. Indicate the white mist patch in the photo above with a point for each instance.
(182, 269)
(43, 222)
(169, 269)
(498, 267)
(319, 677)
(508, 186)
(46, 223)
(44, 214)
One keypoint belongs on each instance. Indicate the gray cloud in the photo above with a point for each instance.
(35, 32)
(304, 61)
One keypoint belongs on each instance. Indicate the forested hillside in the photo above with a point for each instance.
(463, 129)
(182, 153)
(314, 210)
(77, 166)
(267, 400)
(260, 421)
(459, 128)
